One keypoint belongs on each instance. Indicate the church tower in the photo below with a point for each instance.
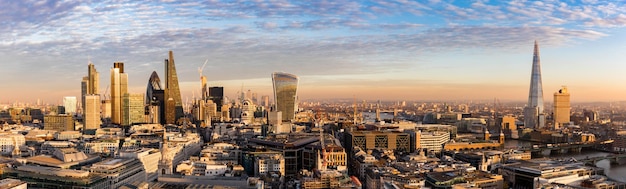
(165, 164)
(501, 137)
(487, 135)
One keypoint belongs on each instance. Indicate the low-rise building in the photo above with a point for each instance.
(67, 135)
(61, 122)
(48, 177)
(149, 159)
(120, 171)
(479, 179)
(530, 174)
(11, 143)
(12, 184)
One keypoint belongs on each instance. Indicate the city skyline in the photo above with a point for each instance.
(387, 50)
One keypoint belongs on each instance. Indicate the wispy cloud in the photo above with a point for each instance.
(249, 39)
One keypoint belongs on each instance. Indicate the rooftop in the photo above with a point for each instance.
(53, 171)
(9, 183)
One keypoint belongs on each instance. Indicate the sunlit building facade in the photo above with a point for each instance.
(133, 110)
(173, 109)
(285, 94)
(561, 108)
(69, 102)
(119, 87)
(92, 112)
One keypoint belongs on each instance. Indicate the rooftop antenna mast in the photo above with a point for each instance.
(354, 115)
(203, 81)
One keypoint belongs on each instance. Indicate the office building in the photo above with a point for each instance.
(61, 122)
(149, 158)
(174, 109)
(89, 84)
(155, 99)
(508, 126)
(533, 112)
(561, 108)
(431, 141)
(479, 179)
(216, 94)
(91, 113)
(265, 101)
(10, 143)
(535, 172)
(285, 94)
(292, 146)
(69, 102)
(368, 140)
(267, 163)
(120, 171)
(133, 109)
(119, 87)
(106, 108)
(49, 177)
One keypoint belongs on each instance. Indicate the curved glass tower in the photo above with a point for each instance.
(533, 112)
(285, 94)
(155, 97)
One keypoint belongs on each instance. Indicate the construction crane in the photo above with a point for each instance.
(202, 68)
(105, 93)
(203, 80)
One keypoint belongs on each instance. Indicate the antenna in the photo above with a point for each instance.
(202, 68)
(354, 116)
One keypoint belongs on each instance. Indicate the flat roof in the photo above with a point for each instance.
(53, 171)
(9, 183)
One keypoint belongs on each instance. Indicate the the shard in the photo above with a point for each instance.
(173, 100)
(533, 112)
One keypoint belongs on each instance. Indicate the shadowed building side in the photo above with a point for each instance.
(155, 98)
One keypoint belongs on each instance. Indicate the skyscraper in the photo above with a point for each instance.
(133, 109)
(285, 94)
(155, 97)
(173, 109)
(265, 101)
(69, 102)
(119, 87)
(561, 108)
(533, 112)
(216, 94)
(89, 84)
(92, 112)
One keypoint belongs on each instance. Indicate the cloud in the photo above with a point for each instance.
(250, 39)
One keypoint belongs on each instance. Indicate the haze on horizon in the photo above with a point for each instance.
(372, 50)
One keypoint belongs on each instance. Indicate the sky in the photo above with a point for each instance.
(368, 49)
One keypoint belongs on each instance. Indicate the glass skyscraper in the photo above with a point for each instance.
(119, 87)
(285, 94)
(533, 112)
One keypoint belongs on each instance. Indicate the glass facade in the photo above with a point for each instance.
(285, 93)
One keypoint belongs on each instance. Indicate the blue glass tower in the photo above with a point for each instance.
(533, 112)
